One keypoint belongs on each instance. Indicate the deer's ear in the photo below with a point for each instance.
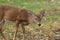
(41, 14)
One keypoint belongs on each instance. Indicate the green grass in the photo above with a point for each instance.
(50, 21)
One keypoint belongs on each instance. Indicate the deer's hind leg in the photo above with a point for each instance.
(1, 32)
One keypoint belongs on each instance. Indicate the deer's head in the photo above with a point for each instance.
(37, 18)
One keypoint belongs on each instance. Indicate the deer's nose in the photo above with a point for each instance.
(39, 24)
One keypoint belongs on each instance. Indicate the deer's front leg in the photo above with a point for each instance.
(16, 30)
(23, 29)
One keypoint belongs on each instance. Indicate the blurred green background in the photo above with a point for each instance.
(50, 22)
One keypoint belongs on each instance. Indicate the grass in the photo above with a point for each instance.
(50, 21)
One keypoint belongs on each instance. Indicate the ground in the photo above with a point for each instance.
(50, 22)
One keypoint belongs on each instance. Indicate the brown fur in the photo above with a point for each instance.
(12, 13)
(19, 16)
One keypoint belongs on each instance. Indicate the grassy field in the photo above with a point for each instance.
(50, 22)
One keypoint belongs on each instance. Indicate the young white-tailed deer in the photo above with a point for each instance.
(19, 16)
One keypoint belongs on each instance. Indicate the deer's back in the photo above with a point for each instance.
(14, 13)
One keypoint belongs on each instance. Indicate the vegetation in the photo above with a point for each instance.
(50, 22)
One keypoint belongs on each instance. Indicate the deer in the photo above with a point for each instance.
(20, 16)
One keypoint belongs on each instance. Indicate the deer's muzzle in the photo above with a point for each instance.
(39, 24)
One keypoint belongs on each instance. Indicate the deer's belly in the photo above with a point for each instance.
(10, 18)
